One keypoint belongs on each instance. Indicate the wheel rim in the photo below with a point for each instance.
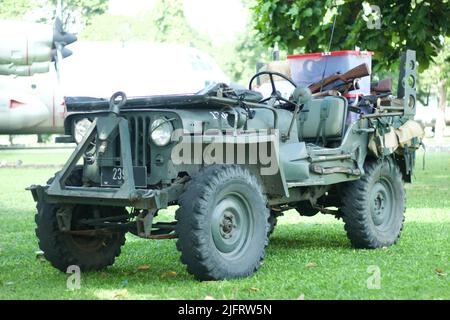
(232, 225)
(381, 204)
(86, 243)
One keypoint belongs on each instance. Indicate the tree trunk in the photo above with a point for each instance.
(440, 116)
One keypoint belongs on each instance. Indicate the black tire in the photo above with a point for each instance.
(63, 250)
(304, 208)
(373, 206)
(223, 223)
(75, 179)
(273, 220)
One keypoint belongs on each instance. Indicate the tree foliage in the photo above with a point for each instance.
(305, 25)
(167, 23)
(75, 12)
(171, 24)
(14, 9)
(246, 51)
(435, 80)
(238, 59)
(440, 69)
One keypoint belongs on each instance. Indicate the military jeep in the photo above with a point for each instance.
(232, 161)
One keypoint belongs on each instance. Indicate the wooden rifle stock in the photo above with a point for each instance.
(382, 86)
(357, 72)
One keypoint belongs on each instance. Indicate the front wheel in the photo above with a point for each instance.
(63, 249)
(223, 223)
(373, 206)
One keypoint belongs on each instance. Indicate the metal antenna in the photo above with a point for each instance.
(59, 9)
(332, 31)
(329, 49)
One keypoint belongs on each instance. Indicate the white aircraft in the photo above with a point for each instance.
(30, 101)
(98, 69)
(32, 92)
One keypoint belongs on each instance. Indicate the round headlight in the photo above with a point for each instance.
(161, 132)
(80, 129)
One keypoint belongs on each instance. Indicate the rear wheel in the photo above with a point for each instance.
(223, 223)
(373, 206)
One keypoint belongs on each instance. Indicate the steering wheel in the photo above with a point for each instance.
(275, 94)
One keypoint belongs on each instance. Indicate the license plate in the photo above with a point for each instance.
(114, 176)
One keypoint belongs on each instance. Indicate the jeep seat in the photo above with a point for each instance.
(323, 119)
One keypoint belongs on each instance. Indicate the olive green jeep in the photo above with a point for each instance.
(232, 161)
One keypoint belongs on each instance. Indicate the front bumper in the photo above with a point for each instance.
(138, 198)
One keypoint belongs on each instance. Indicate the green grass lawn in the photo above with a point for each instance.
(306, 256)
(35, 157)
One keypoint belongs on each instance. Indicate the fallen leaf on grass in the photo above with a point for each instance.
(210, 298)
(143, 267)
(121, 294)
(252, 289)
(440, 272)
(301, 297)
(168, 274)
(311, 265)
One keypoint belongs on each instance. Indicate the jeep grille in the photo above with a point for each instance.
(139, 135)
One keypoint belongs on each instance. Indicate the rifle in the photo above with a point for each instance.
(357, 72)
(373, 100)
(382, 86)
(345, 87)
(338, 89)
